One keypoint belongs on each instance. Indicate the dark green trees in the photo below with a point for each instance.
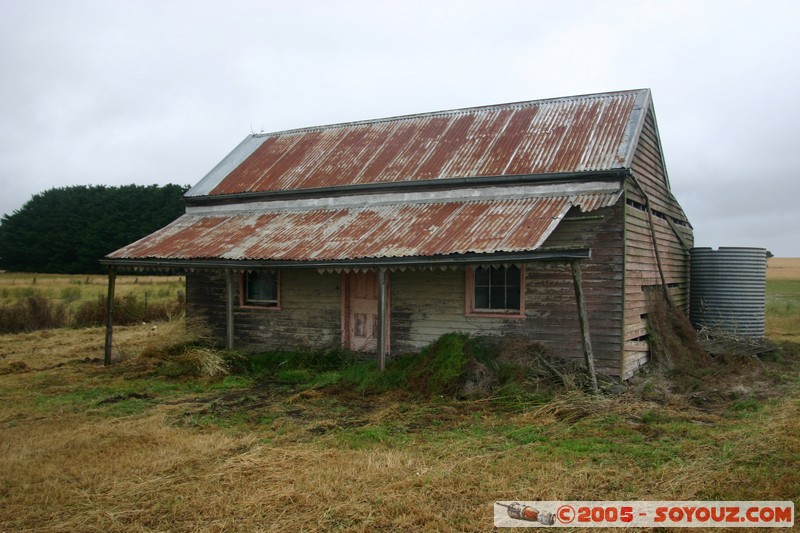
(68, 230)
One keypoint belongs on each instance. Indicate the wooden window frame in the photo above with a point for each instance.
(245, 304)
(493, 313)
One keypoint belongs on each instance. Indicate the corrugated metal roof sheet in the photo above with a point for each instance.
(393, 231)
(584, 133)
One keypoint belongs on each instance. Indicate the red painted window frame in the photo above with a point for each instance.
(493, 313)
(244, 304)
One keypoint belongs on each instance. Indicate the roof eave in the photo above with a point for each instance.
(410, 186)
(367, 262)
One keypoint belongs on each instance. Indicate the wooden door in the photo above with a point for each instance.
(361, 297)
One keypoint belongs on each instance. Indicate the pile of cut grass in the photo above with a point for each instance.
(438, 370)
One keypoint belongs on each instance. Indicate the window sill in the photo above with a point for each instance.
(260, 307)
(495, 314)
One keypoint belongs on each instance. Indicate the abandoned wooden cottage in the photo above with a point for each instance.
(382, 235)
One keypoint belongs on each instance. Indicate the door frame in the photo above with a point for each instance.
(347, 315)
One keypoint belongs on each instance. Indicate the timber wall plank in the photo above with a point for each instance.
(309, 318)
(427, 304)
(641, 267)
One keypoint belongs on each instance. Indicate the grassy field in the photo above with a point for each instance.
(145, 446)
(73, 288)
(783, 299)
(30, 302)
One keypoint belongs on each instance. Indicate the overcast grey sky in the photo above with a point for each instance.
(158, 91)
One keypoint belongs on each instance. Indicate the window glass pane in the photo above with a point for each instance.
(267, 286)
(482, 276)
(481, 297)
(262, 287)
(498, 298)
(498, 275)
(497, 288)
(512, 298)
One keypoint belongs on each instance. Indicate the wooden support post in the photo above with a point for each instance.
(584, 321)
(654, 237)
(382, 330)
(229, 309)
(112, 278)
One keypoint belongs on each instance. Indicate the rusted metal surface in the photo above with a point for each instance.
(401, 230)
(590, 202)
(586, 133)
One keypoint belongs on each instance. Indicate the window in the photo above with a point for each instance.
(495, 289)
(261, 289)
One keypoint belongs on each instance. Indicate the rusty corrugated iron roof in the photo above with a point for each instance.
(563, 135)
(384, 231)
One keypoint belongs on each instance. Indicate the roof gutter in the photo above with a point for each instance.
(407, 186)
(435, 261)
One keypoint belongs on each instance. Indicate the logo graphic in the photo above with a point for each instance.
(518, 511)
(644, 514)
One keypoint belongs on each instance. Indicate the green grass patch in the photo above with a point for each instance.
(440, 369)
(651, 418)
(294, 376)
(232, 383)
(525, 435)
(744, 407)
(71, 293)
(128, 407)
(603, 448)
(324, 379)
(365, 378)
(386, 434)
(78, 397)
(116, 399)
(101, 400)
(783, 297)
(783, 309)
(516, 396)
(270, 363)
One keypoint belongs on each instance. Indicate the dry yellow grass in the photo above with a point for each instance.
(74, 287)
(145, 474)
(783, 268)
(73, 466)
(88, 448)
(49, 347)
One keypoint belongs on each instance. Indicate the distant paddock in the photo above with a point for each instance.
(783, 268)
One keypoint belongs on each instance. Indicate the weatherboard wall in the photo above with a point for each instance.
(603, 284)
(642, 276)
(309, 317)
(428, 303)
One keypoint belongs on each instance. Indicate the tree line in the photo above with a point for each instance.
(68, 230)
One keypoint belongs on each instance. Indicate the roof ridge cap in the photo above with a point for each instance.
(449, 112)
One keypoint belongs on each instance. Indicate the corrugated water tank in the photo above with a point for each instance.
(728, 289)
